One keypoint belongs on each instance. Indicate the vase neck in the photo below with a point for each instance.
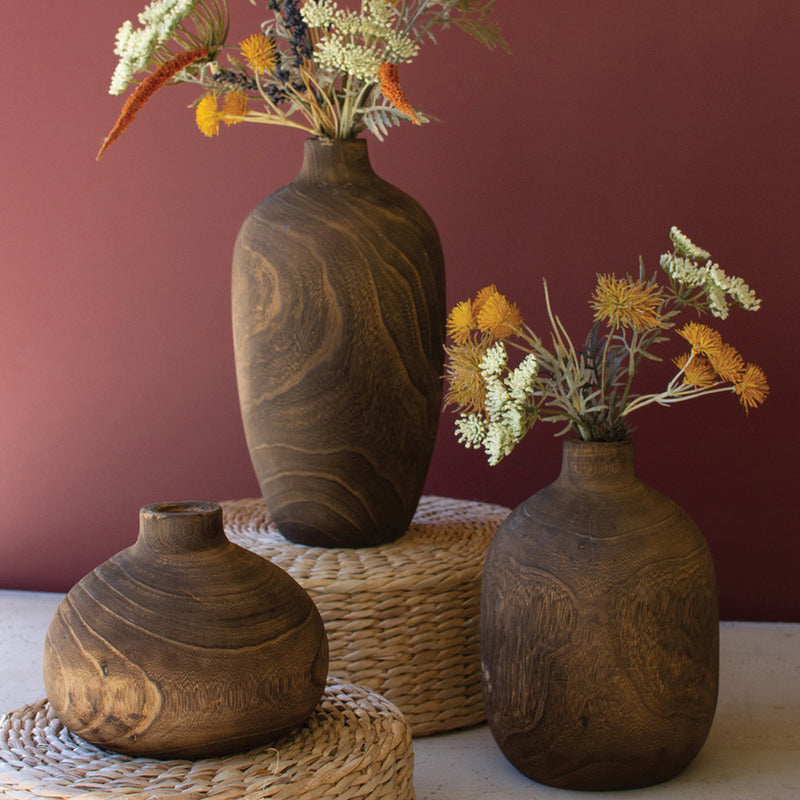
(597, 465)
(335, 161)
(175, 528)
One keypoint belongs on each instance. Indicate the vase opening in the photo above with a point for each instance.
(181, 508)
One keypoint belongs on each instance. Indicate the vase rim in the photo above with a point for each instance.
(180, 507)
(591, 442)
(329, 140)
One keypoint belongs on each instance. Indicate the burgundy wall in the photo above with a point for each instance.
(610, 122)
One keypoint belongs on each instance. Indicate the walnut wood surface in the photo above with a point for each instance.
(339, 310)
(184, 645)
(599, 629)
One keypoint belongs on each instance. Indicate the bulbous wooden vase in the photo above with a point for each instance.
(184, 645)
(338, 297)
(599, 629)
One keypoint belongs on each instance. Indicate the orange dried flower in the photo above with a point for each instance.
(146, 89)
(752, 387)
(466, 389)
(499, 318)
(234, 107)
(207, 115)
(703, 339)
(461, 322)
(696, 370)
(481, 298)
(627, 303)
(260, 52)
(389, 76)
(727, 362)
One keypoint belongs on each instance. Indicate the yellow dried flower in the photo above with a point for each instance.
(696, 370)
(481, 298)
(466, 389)
(627, 303)
(234, 107)
(207, 115)
(499, 318)
(727, 363)
(461, 322)
(260, 53)
(704, 340)
(752, 387)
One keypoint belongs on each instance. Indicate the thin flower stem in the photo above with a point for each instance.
(272, 119)
(665, 398)
(672, 384)
(631, 369)
(277, 113)
(603, 371)
(327, 122)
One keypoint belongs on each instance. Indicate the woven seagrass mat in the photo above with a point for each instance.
(355, 745)
(402, 618)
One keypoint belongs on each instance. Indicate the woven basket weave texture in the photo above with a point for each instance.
(355, 745)
(402, 618)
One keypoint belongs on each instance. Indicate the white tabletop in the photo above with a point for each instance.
(752, 752)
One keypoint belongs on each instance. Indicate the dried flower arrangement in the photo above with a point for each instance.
(589, 389)
(329, 71)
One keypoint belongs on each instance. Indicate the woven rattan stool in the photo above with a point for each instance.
(355, 745)
(402, 618)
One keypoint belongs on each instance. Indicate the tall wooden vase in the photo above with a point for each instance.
(338, 321)
(185, 644)
(599, 629)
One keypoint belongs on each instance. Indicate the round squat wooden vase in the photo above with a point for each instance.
(185, 645)
(338, 297)
(599, 629)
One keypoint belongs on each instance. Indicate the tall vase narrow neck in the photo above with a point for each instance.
(597, 465)
(335, 161)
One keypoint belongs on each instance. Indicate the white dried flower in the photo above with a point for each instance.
(686, 247)
(507, 413)
(358, 43)
(318, 13)
(400, 48)
(498, 443)
(494, 361)
(123, 37)
(379, 10)
(734, 287)
(135, 47)
(716, 302)
(165, 10)
(710, 277)
(497, 397)
(520, 380)
(336, 54)
(684, 271)
(471, 430)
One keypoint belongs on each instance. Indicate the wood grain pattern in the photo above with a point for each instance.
(185, 644)
(599, 629)
(339, 309)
